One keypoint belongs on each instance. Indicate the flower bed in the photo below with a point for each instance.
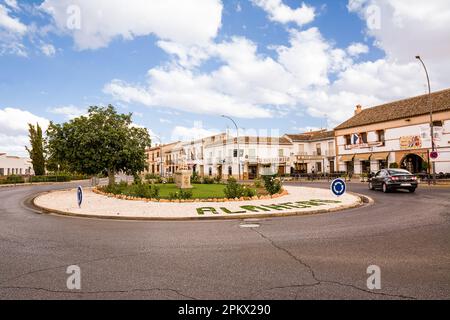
(219, 199)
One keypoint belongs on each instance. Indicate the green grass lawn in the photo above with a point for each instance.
(200, 191)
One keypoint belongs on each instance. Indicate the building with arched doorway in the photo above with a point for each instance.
(396, 134)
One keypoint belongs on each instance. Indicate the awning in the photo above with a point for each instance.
(380, 156)
(362, 157)
(347, 158)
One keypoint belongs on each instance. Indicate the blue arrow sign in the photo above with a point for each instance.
(338, 187)
(80, 196)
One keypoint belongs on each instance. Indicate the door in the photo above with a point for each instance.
(219, 171)
(377, 179)
(252, 172)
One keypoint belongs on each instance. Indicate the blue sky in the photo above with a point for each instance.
(285, 65)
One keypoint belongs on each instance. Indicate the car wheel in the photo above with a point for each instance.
(371, 187)
(412, 190)
(385, 188)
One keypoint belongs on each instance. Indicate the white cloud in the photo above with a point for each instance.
(48, 49)
(162, 120)
(12, 4)
(180, 133)
(187, 21)
(12, 30)
(309, 74)
(408, 28)
(14, 129)
(356, 49)
(9, 23)
(69, 112)
(282, 13)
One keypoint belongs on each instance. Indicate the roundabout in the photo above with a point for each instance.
(295, 201)
(323, 256)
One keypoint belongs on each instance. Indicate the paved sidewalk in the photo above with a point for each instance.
(300, 201)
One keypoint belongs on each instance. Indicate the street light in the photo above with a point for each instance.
(238, 145)
(430, 106)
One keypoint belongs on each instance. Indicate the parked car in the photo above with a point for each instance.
(393, 179)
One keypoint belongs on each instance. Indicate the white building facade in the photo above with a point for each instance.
(313, 152)
(397, 135)
(11, 165)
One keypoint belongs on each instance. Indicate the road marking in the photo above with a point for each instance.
(249, 225)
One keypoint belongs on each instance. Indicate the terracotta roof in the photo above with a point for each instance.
(401, 109)
(311, 136)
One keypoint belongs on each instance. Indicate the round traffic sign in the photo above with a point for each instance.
(338, 187)
(434, 155)
(80, 196)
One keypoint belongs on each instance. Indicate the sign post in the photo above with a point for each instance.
(80, 196)
(338, 187)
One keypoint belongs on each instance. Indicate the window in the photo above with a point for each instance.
(235, 153)
(380, 135)
(348, 140)
(319, 167)
(230, 170)
(319, 149)
(364, 137)
(281, 152)
(210, 171)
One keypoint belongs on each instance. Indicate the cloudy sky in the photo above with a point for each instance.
(280, 65)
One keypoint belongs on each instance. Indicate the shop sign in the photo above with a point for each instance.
(410, 142)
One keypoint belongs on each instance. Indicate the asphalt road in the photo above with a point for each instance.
(313, 257)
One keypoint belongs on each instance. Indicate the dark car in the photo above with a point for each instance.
(393, 179)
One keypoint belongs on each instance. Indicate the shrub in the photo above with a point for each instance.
(13, 180)
(217, 179)
(258, 184)
(272, 184)
(195, 178)
(144, 190)
(181, 195)
(150, 176)
(208, 180)
(170, 180)
(233, 189)
(59, 178)
(118, 188)
(248, 192)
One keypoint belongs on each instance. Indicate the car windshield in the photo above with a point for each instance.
(399, 172)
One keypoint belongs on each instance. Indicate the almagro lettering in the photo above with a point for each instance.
(267, 208)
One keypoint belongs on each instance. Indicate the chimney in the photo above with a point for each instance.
(358, 109)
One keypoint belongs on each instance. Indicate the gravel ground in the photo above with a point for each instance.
(102, 206)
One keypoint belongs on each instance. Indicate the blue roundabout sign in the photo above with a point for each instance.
(338, 187)
(80, 196)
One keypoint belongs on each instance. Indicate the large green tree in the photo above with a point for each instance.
(37, 149)
(101, 142)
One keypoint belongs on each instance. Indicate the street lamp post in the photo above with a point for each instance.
(160, 156)
(430, 106)
(238, 144)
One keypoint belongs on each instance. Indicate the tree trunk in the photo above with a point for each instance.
(111, 177)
